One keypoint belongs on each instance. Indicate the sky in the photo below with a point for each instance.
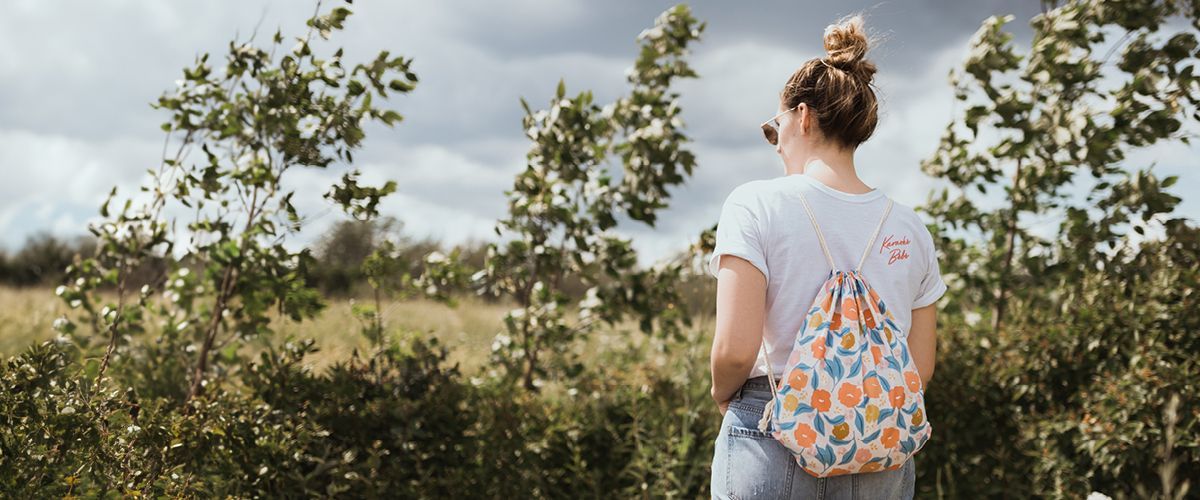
(77, 80)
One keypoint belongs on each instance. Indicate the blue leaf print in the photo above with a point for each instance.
(875, 337)
(871, 437)
(900, 421)
(835, 420)
(825, 456)
(787, 426)
(802, 408)
(849, 454)
(829, 453)
(816, 374)
(806, 339)
(858, 421)
(892, 362)
(882, 308)
(904, 352)
(854, 368)
(839, 442)
(885, 413)
(907, 445)
(837, 368)
(883, 382)
(819, 426)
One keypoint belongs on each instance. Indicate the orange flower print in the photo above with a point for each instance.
(850, 308)
(827, 302)
(871, 467)
(862, 456)
(848, 340)
(877, 354)
(816, 320)
(820, 400)
(913, 380)
(849, 395)
(818, 348)
(872, 387)
(890, 437)
(918, 417)
(797, 379)
(869, 318)
(897, 396)
(835, 323)
(805, 435)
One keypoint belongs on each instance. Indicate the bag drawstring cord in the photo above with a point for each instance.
(764, 422)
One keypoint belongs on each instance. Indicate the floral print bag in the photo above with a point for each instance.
(852, 400)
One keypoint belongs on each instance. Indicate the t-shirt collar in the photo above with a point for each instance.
(841, 195)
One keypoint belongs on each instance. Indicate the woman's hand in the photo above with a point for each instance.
(722, 406)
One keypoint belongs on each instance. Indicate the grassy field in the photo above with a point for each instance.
(467, 329)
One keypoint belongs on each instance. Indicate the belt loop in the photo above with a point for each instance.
(738, 395)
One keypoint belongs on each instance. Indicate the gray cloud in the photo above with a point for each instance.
(76, 80)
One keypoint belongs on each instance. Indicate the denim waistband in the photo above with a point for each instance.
(759, 383)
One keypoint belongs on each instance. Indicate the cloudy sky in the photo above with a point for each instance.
(76, 80)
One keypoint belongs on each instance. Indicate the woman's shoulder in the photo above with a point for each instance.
(912, 219)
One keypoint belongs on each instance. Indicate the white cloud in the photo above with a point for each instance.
(75, 80)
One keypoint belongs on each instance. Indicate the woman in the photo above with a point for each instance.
(775, 265)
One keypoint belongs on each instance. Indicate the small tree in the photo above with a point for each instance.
(237, 131)
(1062, 392)
(563, 208)
(1055, 121)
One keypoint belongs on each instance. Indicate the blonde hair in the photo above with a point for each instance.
(838, 87)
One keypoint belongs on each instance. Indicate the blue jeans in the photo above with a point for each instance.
(749, 463)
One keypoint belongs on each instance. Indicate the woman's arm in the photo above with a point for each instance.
(922, 341)
(741, 313)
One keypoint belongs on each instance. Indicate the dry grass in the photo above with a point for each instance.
(25, 317)
(467, 330)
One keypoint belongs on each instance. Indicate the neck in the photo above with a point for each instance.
(833, 167)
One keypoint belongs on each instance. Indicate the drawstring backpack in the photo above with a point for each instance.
(852, 400)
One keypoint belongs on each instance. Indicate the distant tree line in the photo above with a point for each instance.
(339, 255)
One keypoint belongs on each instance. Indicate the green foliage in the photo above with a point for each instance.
(239, 130)
(1063, 354)
(563, 207)
(398, 423)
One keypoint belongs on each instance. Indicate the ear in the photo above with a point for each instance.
(803, 119)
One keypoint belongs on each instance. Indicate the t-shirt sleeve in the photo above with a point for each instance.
(739, 232)
(932, 286)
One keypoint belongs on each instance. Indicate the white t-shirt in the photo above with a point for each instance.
(764, 222)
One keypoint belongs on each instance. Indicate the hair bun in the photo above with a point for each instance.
(846, 43)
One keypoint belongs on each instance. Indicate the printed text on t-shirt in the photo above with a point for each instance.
(897, 249)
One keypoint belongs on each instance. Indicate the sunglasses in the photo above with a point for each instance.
(770, 127)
